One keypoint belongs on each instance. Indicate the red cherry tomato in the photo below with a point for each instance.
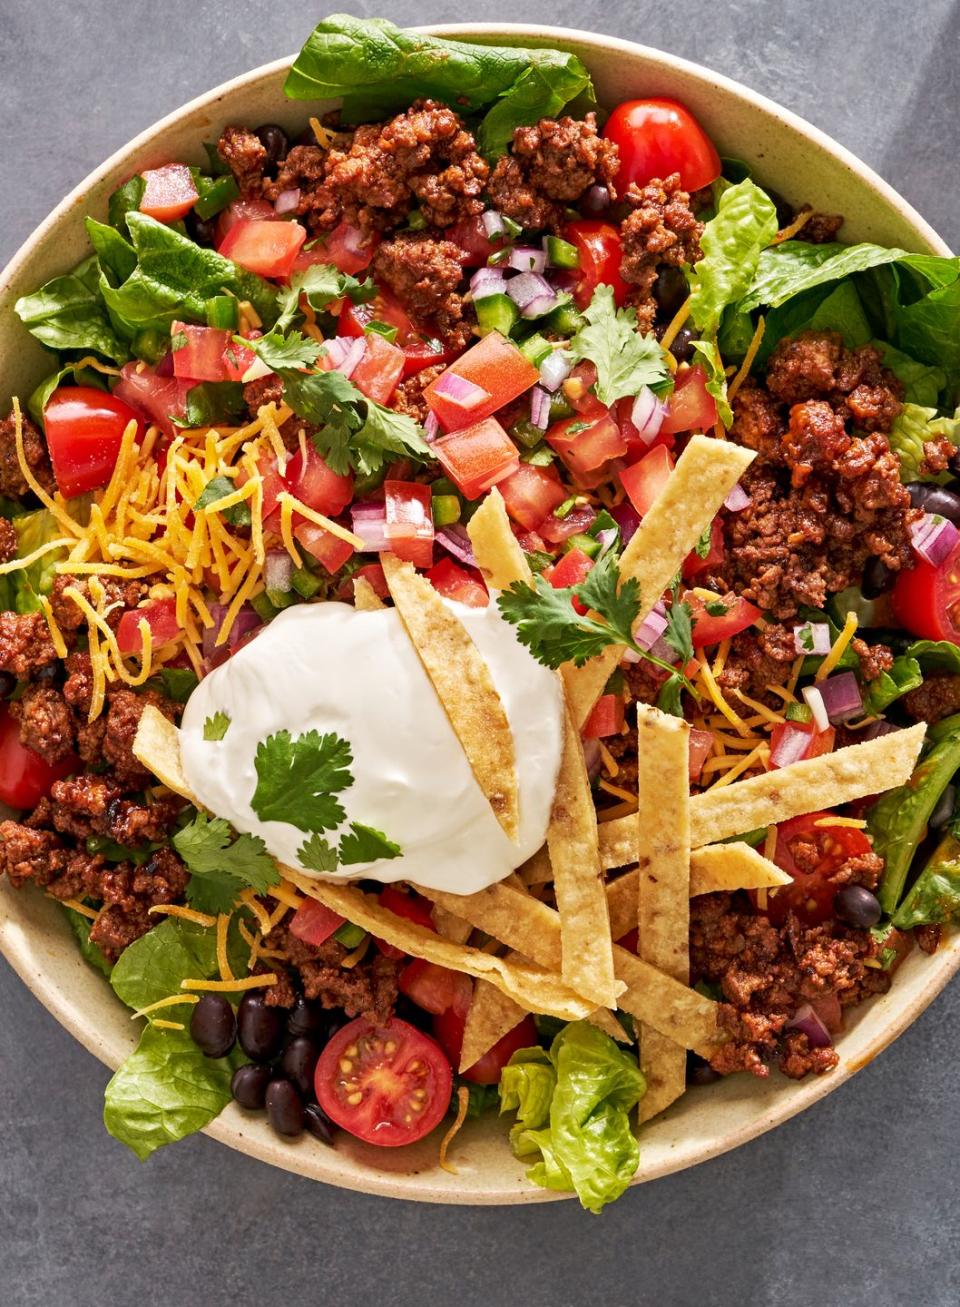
(471, 235)
(818, 741)
(600, 250)
(457, 583)
(372, 573)
(711, 628)
(381, 367)
(419, 350)
(691, 407)
(160, 615)
(25, 778)
(926, 599)
(159, 399)
(84, 428)
(435, 988)
(449, 1026)
(645, 480)
(478, 457)
(659, 137)
(388, 1085)
(409, 521)
(263, 246)
(169, 193)
(811, 854)
(573, 568)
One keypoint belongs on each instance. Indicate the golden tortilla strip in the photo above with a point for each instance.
(451, 927)
(537, 870)
(464, 687)
(705, 473)
(824, 782)
(533, 930)
(495, 547)
(157, 746)
(663, 886)
(365, 598)
(492, 1015)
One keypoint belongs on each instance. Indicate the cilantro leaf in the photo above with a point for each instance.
(679, 630)
(702, 547)
(668, 700)
(221, 866)
(297, 779)
(625, 359)
(317, 854)
(365, 844)
(549, 625)
(276, 350)
(618, 602)
(219, 488)
(216, 727)
(321, 283)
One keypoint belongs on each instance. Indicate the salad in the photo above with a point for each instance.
(479, 592)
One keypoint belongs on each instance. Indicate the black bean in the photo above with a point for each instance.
(249, 1085)
(318, 1123)
(202, 230)
(213, 1027)
(877, 578)
(785, 210)
(284, 1108)
(305, 1018)
(276, 143)
(670, 290)
(682, 347)
(935, 499)
(857, 906)
(260, 1027)
(944, 809)
(49, 675)
(298, 1063)
(8, 683)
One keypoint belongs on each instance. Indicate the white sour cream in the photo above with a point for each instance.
(331, 668)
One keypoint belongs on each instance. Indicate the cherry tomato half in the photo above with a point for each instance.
(419, 350)
(388, 1085)
(598, 244)
(926, 599)
(84, 428)
(659, 137)
(449, 1026)
(24, 776)
(811, 854)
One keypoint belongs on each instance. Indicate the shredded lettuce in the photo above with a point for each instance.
(732, 241)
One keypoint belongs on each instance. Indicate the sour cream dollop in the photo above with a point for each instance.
(330, 667)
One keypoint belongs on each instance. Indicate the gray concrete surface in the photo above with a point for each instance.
(854, 1202)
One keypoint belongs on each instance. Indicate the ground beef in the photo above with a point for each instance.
(265, 390)
(821, 228)
(78, 687)
(122, 719)
(759, 659)
(875, 659)
(757, 423)
(424, 273)
(551, 166)
(9, 541)
(28, 854)
(937, 456)
(25, 644)
(929, 936)
(798, 1059)
(80, 805)
(816, 365)
(368, 989)
(35, 453)
(408, 396)
(118, 597)
(765, 972)
(47, 724)
(936, 698)
(246, 157)
(661, 230)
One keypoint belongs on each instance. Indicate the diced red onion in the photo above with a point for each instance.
(812, 638)
(649, 631)
(456, 541)
(737, 500)
(627, 519)
(793, 745)
(934, 537)
(337, 348)
(463, 392)
(526, 258)
(814, 701)
(876, 729)
(607, 540)
(592, 757)
(247, 622)
(278, 570)
(647, 415)
(528, 288)
(492, 224)
(370, 524)
(841, 697)
(353, 239)
(557, 529)
(596, 200)
(354, 354)
(554, 370)
(287, 201)
(808, 1023)
(540, 408)
(540, 306)
(164, 366)
(701, 742)
(486, 282)
(431, 428)
(256, 370)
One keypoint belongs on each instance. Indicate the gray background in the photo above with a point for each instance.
(855, 1201)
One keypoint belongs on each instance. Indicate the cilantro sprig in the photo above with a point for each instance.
(625, 360)
(221, 865)
(320, 284)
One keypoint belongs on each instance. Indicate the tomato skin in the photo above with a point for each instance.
(644, 481)
(475, 245)
(158, 399)
(419, 351)
(497, 366)
(25, 777)
(449, 1026)
(200, 357)
(573, 568)
(810, 896)
(457, 583)
(264, 246)
(694, 565)
(709, 630)
(314, 484)
(384, 1116)
(820, 741)
(600, 249)
(658, 137)
(344, 247)
(478, 457)
(531, 494)
(691, 407)
(701, 742)
(169, 193)
(242, 211)
(373, 574)
(409, 521)
(586, 445)
(159, 614)
(926, 599)
(605, 719)
(380, 369)
(325, 547)
(435, 988)
(314, 923)
(84, 429)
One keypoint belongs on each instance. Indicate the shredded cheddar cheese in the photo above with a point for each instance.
(169, 1025)
(853, 822)
(232, 986)
(839, 648)
(800, 221)
(676, 324)
(748, 359)
(463, 1103)
(188, 914)
(172, 1000)
(77, 906)
(223, 962)
(249, 900)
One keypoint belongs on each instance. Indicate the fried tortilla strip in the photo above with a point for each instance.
(365, 598)
(464, 686)
(451, 927)
(157, 746)
(824, 782)
(663, 885)
(706, 472)
(572, 835)
(533, 930)
(538, 869)
(531, 986)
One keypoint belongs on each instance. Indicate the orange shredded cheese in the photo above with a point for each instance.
(286, 896)
(232, 986)
(838, 649)
(853, 822)
(758, 755)
(748, 359)
(223, 962)
(358, 954)
(318, 519)
(322, 135)
(249, 900)
(188, 914)
(168, 1025)
(800, 221)
(77, 906)
(172, 1000)
(675, 325)
(463, 1103)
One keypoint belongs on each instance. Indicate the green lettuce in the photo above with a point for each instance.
(716, 378)
(732, 241)
(903, 676)
(912, 427)
(68, 313)
(922, 382)
(936, 656)
(573, 1108)
(81, 926)
(934, 896)
(794, 267)
(377, 68)
(26, 585)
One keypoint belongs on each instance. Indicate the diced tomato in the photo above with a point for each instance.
(475, 245)
(645, 480)
(325, 547)
(242, 211)
(710, 628)
(605, 719)
(263, 246)
(419, 350)
(393, 1089)
(572, 569)
(926, 599)
(812, 855)
(691, 407)
(345, 247)
(410, 906)
(496, 366)
(314, 923)
(479, 457)
(578, 391)
(380, 369)
(818, 741)
(159, 399)
(586, 445)
(199, 352)
(272, 485)
(449, 1026)
(658, 137)
(84, 429)
(694, 565)
(435, 988)
(409, 521)
(159, 614)
(169, 193)
(237, 359)
(25, 777)
(372, 573)
(314, 484)
(636, 448)
(598, 244)
(457, 583)
(557, 529)
(531, 493)
(701, 742)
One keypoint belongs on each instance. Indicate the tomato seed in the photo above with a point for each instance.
(355, 1098)
(346, 1066)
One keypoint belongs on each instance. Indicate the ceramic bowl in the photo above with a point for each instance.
(786, 154)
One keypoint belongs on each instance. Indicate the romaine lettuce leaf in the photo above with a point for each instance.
(732, 241)
(34, 530)
(790, 269)
(903, 676)
(935, 894)
(68, 313)
(908, 433)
